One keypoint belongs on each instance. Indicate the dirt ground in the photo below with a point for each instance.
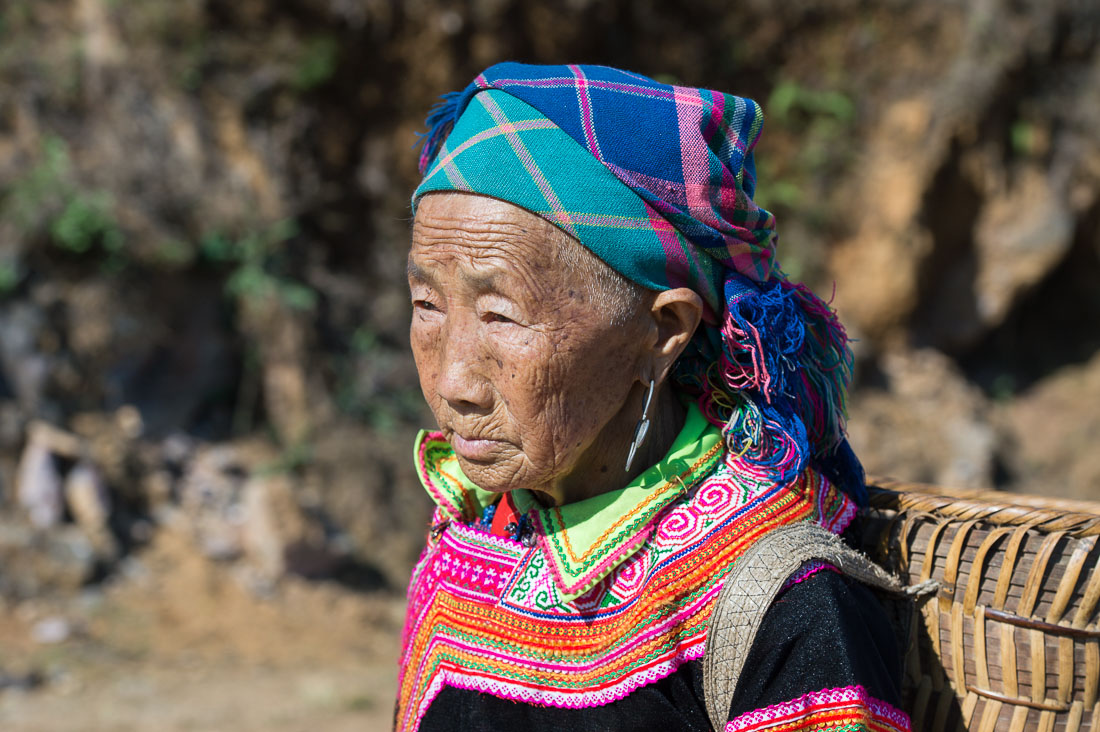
(181, 643)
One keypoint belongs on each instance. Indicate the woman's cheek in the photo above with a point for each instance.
(526, 363)
(517, 348)
(424, 338)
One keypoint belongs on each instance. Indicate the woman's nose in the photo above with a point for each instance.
(463, 381)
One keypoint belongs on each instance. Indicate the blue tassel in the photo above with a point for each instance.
(767, 334)
(787, 356)
(770, 438)
(441, 119)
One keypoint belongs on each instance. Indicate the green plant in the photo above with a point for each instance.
(1003, 388)
(87, 218)
(192, 59)
(363, 340)
(317, 63)
(1023, 137)
(773, 189)
(39, 188)
(258, 268)
(775, 193)
(790, 98)
(47, 198)
(359, 703)
(362, 388)
(817, 125)
(9, 277)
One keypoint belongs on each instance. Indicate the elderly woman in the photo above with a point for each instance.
(629, 393)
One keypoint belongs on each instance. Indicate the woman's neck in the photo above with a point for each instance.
(601, 469)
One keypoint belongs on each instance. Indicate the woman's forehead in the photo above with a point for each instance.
(481, 216)
(484, 235)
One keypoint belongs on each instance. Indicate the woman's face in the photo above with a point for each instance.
(525, 374)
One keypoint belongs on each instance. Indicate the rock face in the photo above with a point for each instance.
(204, 219)
(1045, 447)
(928, 424)
(36, 562)
(38, 487)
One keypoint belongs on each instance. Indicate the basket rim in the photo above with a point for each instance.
(1076, 517)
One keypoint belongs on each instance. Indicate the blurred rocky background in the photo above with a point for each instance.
(207, 402)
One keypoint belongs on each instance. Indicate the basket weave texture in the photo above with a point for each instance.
(1011, 639)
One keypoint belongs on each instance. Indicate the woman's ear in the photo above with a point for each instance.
(676, 313)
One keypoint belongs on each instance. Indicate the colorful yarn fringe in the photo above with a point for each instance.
(784, 356)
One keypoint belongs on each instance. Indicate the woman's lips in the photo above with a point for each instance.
(474, 448)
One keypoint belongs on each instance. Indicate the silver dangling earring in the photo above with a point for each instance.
(641, 428)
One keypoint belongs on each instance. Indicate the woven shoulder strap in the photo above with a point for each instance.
(756, 578)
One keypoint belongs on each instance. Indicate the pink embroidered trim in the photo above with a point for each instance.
(562, 699)
(845, 706)
(809, 569)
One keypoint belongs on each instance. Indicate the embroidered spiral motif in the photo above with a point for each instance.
(713, 495)
(677, 526)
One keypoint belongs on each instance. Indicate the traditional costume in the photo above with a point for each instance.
(593, 615)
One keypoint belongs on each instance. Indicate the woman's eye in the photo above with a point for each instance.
(424, 305)
(498, 318)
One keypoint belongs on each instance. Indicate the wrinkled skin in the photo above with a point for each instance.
(529, 380)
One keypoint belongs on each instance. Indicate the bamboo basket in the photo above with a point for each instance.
(1010, 640)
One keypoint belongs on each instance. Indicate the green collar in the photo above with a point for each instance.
(583, 541)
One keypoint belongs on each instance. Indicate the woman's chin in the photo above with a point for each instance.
(488, 475)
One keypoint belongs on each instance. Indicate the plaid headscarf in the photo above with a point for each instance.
(657, 181)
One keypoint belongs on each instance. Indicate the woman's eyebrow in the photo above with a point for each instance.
(416, 274)
(477, 281)
(480, 282)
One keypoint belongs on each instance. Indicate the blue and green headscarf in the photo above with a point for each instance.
(658, 182)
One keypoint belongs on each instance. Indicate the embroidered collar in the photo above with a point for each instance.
(583, 541)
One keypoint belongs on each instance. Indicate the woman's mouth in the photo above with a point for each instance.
(476, 449)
